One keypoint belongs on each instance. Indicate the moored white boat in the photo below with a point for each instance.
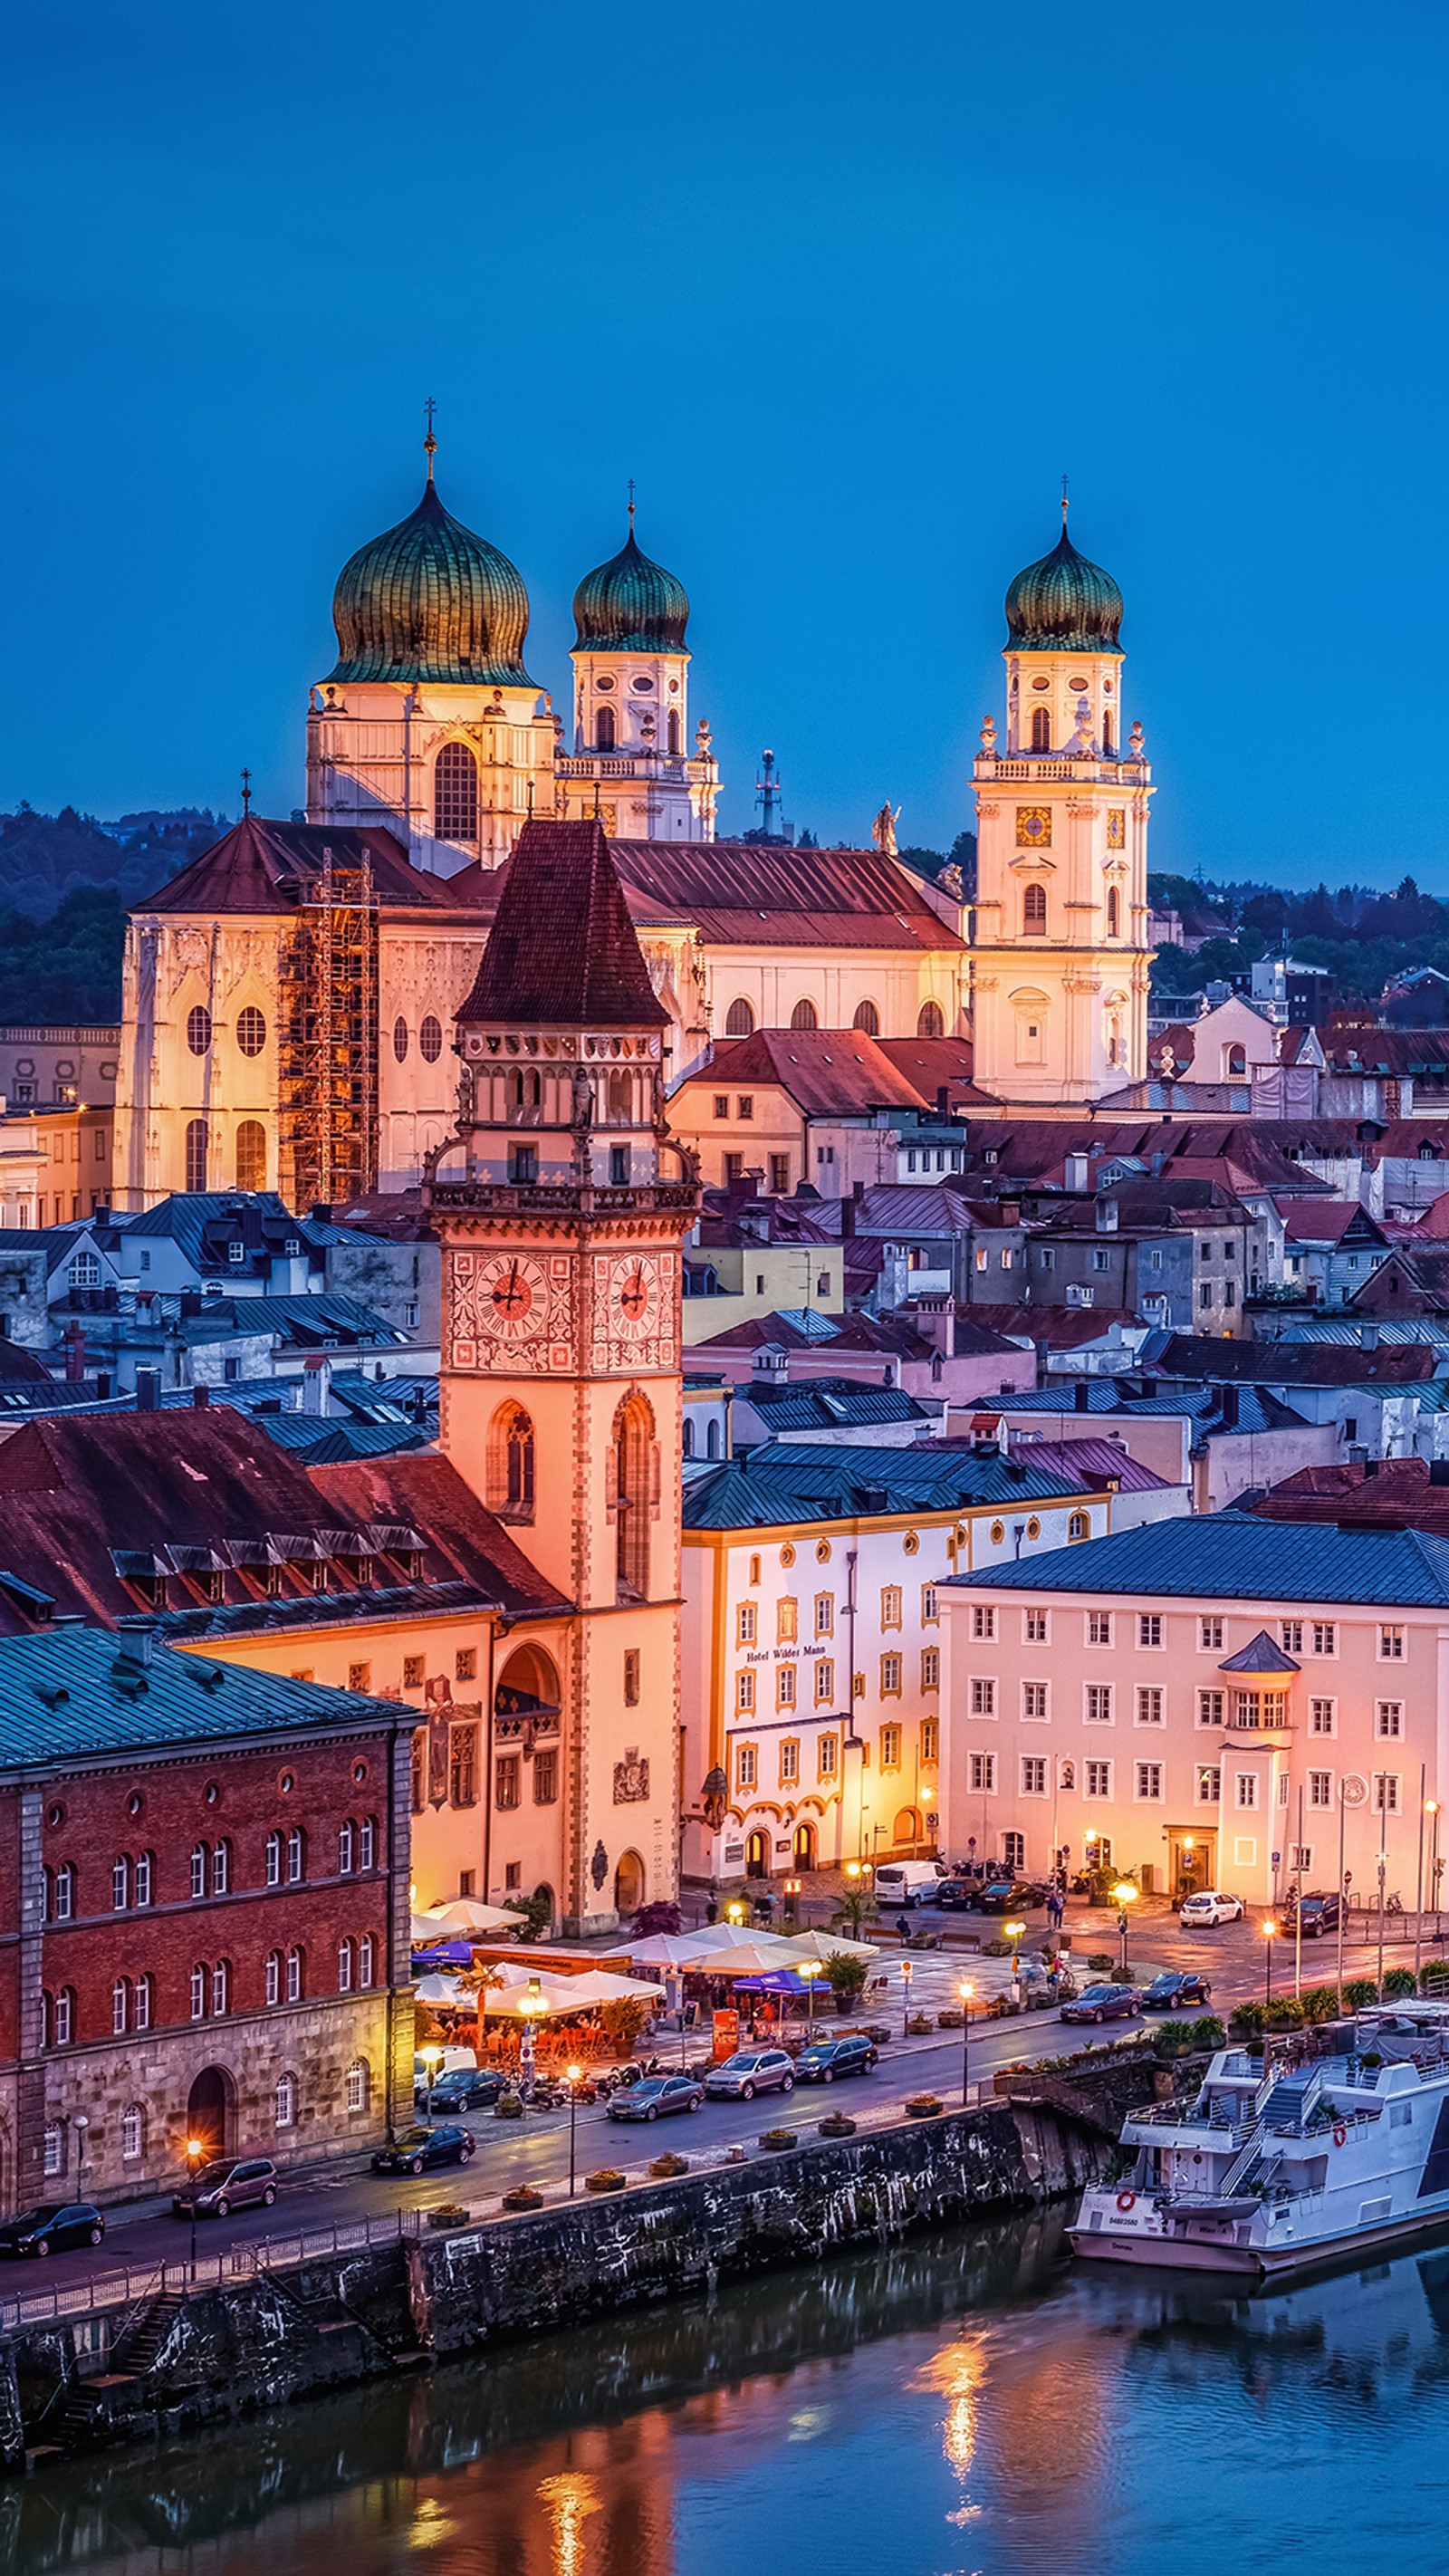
(1280, 2162)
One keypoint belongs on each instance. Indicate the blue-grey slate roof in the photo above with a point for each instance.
(81, 1692)
(778, 1485)
(1226, 1556)
(1257, 1409)
(821, 1401)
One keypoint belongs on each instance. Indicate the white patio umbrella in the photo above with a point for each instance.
(758, 1958)
(825, 1945)
(444, 1990)
(661, 1950)
(467, 1914)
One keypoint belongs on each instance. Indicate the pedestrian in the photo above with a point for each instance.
(711, 1911)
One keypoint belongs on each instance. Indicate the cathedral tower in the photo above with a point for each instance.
(561, 1390)
(632, 761)
(1060, 957)
(428, 721)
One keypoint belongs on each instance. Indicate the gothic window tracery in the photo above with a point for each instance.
(455, 793)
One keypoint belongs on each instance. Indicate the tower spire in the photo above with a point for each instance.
(631, 505)
(246, 788)
(430, 444)
(1064, 505)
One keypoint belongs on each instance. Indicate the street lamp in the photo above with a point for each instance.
(80, 2124)
(1435, 1864)
(735, 1913)
(1269, 1929)
(810, 1969)
(575, 2075)
(965, 1990)
(1125, 1893)
(792, 1901)
(905, 1998)
(1383, 1868)
(1426, 1806)
(531, 2005)
(1015, 1933)
(432, 2057)
(195, 2152)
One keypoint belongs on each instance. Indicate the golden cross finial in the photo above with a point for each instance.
(1064, 505)
(430, 444)
(246, 792)
(631, 505)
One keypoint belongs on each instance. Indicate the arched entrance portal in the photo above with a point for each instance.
(804, 1847)
(208, 2107)
(629, 1884)
(907, 1827)
(757, 1856)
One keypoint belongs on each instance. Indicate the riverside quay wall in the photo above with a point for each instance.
(180, 2359)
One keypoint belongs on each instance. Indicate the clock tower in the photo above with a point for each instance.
(561, 1371)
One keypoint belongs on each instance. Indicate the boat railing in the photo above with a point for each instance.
(1181, 2115)
(1247, 2155)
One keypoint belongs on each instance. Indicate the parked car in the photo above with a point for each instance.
(1207, 1906)
(907, 1882)
(418, 2149)
(466, 2090)
(751, 2071)
(958, 1894)
(1010, 1895)
(51, 2227)
(656, 2096)
(1316, 1913)
(831, 2057)
(1104, 2003)
(449, 2061)
(227, 2183)
(1176, 1986)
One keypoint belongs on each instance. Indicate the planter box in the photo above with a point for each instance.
(603, 2182)
(836, 2125)
(923, 2110)
(524, 2198)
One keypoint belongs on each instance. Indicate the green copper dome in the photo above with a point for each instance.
(630, 605)
(1063, 605)
(430, 601)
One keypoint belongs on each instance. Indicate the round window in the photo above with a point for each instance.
(251, 1030)
(674, 688)
(605, 684)
(822, 1551)
(641, 685)
(286, 1783)
(910, 1542)
(400, 1040)
(212, 1793)
(135, 1803)
(1033, 1528)
(1041, 684)
(1106, 688)
(359, 1774)
(998, 1533)
(787, 1554)
(198, 1029)
(430, 1039)
(55, 1815)
(1078, 685)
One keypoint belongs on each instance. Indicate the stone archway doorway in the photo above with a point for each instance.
(208, 2111)
(629, 1884)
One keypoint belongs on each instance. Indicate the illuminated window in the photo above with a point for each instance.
(1034, 909)
(196, 1153)
(455, 793)
(198, 1029)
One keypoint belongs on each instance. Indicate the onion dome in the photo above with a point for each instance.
(430, 601)
(1064, 604)
(630, 605)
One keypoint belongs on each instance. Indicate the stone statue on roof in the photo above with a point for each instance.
(883, 831)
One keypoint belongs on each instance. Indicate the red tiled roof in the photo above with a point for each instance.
(262, 866)
(826, 1072)
(740, 893)
(425, 1491)
(1090, 1462)
(563, 950)
(1322, 1220)
(1389, 1493)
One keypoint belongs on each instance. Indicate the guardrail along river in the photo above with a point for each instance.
(968, 2404)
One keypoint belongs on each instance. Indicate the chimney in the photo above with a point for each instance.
(1155, 1166)
(1368, 1337)
(138, 1637)
(1439, 1471)
(200, 1398)
(148, 1390)
(316, 1382)
(1075, 1171)
(771, 1365)
(1081, 1397)
(75, 1354)
(100, 1215)
(1011, 1211)
(1228, 1407)
(1371, 1466)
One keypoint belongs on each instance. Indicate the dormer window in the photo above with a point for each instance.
(291, 1249)
(236, 1252)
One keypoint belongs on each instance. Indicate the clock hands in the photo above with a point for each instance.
(634, 1293)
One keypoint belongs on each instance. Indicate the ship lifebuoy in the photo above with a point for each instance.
(1126, 2199)
(1340, 2133)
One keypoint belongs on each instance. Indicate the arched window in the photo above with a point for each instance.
(85, 1271)
(65, 1891)
(198, 1991)
(430, 1039)
(346, 1963)
(1079, 1526)
(120, 2005)
(400, 1040)
(1237, 1061)
(634, 1497)
(674, 735)
(686, 1440)
(711, 1440)
(296, 1856)
(221, 1986)
(273, 1987)
(54, 2149)
(804, 1016)
(604, 728)
(251, 1155)
(198, 1869)
(511, 1463)
(294, 1976)
(455, 793)
(867, 1020)
(143, 1995)
(739, 1021)
(284, 2102)
(196, 1153)
(133, 2134)
(346, 1845)
(221, 1869)
(1114, 913)
(1041, 729)
(364, 1960)
(274, 1860)
(198, 1029)
(930, 1021)
(358, 2085)
(1033, 912)
(251, 1030)
(120, 1884)
(145, 1877)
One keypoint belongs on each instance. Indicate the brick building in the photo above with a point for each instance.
(203, 1914)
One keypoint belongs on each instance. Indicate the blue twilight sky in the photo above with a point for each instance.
(845, 287)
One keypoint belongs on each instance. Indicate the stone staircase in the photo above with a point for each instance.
(132, 2355)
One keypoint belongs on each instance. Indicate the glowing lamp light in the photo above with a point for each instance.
(1125, 1892)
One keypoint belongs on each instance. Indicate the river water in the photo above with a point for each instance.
(963, 2405)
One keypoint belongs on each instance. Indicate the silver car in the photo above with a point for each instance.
(751, 2071)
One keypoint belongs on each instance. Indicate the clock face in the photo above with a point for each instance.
(635, 1322)
(509, 1310)
(634, 1299)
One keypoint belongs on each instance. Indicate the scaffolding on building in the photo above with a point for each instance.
(328, 1037)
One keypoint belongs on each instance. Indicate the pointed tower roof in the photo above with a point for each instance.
(563, 950)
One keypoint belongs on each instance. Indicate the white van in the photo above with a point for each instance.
(907, 1882)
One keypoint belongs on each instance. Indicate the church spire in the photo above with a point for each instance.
(430, 444)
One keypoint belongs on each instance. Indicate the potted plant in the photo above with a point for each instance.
(952, 2019)
(845, 1976)
(1208, 2033)
(665, 2167)
(509, 2106)
(922, 2106)
(623, 2019)
(1359, 1993)
(604, 2178)
(1398, 1983)
(918, 2025)
(775, 2139)
(523, 2196)
(836, 2125)
(448, 2213)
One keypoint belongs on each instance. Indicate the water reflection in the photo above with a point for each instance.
(959, 2406)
